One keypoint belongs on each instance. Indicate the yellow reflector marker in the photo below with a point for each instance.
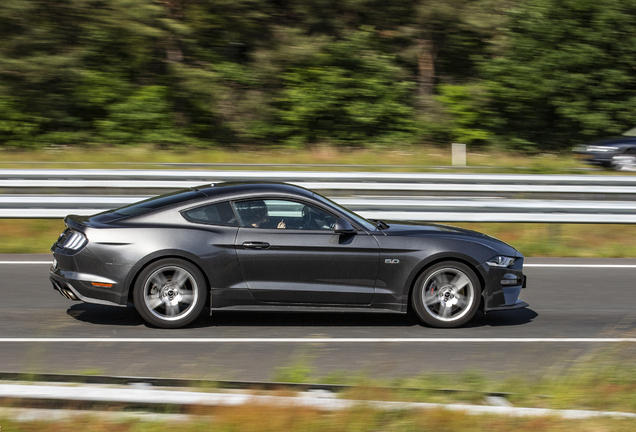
(103, 285)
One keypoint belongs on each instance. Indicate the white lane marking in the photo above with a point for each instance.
(583, 265)
(320, 340)
(525, 265)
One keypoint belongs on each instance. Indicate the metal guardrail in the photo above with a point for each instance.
(294, 176)
(50, 193)
(317, 400)
(229, 384)
(477, 210)
(129, 181)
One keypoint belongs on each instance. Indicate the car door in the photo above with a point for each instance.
(289, 253)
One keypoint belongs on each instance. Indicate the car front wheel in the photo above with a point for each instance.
(446, 295)
(170, 293)
(625, 162)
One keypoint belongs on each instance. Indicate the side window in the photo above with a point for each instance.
(213, 214)
(282, 214)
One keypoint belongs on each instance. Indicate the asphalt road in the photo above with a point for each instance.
(589, 301)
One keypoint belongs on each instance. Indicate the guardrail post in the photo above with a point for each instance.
(459, 154)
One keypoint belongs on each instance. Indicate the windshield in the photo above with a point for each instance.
(356, 218)
(631, 132)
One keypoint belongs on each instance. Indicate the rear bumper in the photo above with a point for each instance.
(79, 286)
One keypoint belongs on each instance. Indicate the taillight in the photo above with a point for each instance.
(72, 240)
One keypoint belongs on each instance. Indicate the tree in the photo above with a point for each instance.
(64, 63)
(568, 74)
(347, 93)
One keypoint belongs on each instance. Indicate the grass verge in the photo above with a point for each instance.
(604, 381)
(419, 158)
(537, 240)
(600, 379)
(258, 418)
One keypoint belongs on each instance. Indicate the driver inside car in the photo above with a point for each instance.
(260, 217)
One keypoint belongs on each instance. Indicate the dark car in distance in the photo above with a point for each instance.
(618, 153)
(273, 246)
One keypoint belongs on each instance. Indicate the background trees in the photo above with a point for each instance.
(532, 74)
(568, 74)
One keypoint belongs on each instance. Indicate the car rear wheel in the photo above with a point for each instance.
(170, 293)
(446, 295)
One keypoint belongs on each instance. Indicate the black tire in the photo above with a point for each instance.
(625, 162)
(446, 295)
(170, 293)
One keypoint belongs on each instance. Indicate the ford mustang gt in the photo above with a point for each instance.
(273, 246)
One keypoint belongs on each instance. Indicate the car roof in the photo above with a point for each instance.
(248, 188)
(200, 194)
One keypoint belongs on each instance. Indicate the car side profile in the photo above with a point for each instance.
(618, 153)
(274, 246)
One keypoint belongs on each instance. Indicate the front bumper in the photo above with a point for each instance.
(599, 159)
(503, 287)
(517, 305)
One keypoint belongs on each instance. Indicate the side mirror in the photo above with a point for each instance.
(343, 227)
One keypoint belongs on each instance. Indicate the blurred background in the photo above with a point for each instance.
(532, 75)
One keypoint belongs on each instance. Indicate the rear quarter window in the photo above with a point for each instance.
(150, 204)
(213, 214)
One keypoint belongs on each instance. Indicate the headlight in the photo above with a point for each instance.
(501, 261)
(601, 149)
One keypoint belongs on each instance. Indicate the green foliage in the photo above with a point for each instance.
(16, 128)
(220, 71)
(144, 117)
(465, 106)
(63, 62)
(300, 371)
(346, 93)
(533, 74)
(569, 73)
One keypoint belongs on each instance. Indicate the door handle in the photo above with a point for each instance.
(255, 245)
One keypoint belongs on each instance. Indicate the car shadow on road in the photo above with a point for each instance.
(361, 319)
(504, 318)
(309, 319)
(128, 316)
(105, 315)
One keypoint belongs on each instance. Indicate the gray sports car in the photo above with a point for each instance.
(274, 246)
(618, 152)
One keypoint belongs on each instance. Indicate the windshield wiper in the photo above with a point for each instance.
(380, 224)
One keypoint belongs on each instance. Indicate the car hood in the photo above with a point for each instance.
(407, 229)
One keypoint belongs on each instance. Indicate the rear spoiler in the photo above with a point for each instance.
(76, 222)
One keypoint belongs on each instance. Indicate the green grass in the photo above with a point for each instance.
(260, 418)
(603, 381)
(414, 158)
(29, 235)
(538, 240)
(563, 240)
